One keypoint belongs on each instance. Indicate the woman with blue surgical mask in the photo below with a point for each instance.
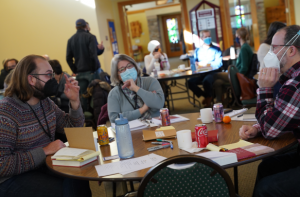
(134, 96)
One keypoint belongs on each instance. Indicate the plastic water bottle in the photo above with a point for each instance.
(124, 139)
(193, 68)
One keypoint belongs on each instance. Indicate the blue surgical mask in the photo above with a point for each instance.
(237, 40)
(207, 40)
(129, 74)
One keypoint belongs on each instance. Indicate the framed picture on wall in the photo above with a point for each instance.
(113, 36)
(162, 2)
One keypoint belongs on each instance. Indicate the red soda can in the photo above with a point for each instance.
(218, 112)
(201, 135)
(165, 117)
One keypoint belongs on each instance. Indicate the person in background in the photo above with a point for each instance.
(156, 55)
(243, 63)
(264, 48)
(60, 98)
(100, 48)
(82, 58)
(133, 96)
(8, 65)
(28, 132)
(278, 175)
(207, 55)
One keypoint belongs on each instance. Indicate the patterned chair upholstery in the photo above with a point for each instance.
(203, 178)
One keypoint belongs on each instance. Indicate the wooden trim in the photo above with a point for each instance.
(185, 16)
(226, 25)
(123, 28)
(254, 25)
(290, 15)
(158, 7)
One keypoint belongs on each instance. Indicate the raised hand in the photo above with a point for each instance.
(72, 92)
(130, 84)
(100, 46)
(268, 77)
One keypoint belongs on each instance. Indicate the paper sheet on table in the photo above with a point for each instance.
(173, 119)
(134, 125)
(232, 114)
(238, 144)
(129, 165)
(245, 117)
(193, 149)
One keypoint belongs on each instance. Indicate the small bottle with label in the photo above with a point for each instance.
(155, 72)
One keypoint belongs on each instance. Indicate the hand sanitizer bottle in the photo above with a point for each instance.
(124, 139)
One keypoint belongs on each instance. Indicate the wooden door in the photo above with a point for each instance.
(172, 28)
(129, 47)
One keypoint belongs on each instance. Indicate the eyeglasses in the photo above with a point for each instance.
(50, 75)
(273, 46)
(123, 69)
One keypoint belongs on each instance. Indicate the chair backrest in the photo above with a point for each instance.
(203, 178)
(254, 66)
(234, 82)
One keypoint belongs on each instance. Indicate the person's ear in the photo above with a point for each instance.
(292, 51)
(31, 80)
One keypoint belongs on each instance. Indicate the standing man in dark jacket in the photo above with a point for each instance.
(82, 58)
(9, 64)
(99, 47)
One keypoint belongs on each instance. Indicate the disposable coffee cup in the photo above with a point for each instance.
(206, 115)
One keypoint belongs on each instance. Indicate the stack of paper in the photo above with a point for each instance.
(134, 125)
(221, 158)
(129, 165)
(173, 119)
(162, 132)
(74, 157)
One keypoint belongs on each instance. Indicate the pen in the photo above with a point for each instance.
(161, 140)
(160, 143)
(240, 115)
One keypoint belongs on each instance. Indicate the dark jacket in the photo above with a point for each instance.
(3, 75)
(99, 91)
(81, 47)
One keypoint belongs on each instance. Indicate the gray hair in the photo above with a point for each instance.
(114, 67)
(202, 32)
(290, 32)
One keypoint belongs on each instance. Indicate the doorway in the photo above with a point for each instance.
(171, 31)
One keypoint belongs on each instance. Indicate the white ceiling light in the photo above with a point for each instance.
(90, 3)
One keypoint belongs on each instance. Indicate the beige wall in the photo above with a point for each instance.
(270, 3)
(297, 14)
(41, 27)
(144, 39)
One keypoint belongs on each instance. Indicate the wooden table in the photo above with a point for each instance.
(228, 133)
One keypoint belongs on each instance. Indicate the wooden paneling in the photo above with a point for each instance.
(290, 15)
(226, 25)
(254, 25)
(184, 14)
(158, 7)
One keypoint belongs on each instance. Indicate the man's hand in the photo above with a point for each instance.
(130, 84)
(156, 55)
(247, 131)
(268, 77)
(72, 92)
(53, 147)
(100, 46)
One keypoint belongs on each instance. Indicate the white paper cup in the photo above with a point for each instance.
(181, 66)
(157, 66)
(184, 138)
(206, 115)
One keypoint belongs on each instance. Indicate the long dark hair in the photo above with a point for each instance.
(274, 27)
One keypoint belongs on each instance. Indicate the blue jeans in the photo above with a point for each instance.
(207, 80)
(42, 182)
(278, 176)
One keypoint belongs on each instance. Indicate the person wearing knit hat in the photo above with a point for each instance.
(156, 55)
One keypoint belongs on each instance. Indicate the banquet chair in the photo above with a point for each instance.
(236, 89)
(196, 176)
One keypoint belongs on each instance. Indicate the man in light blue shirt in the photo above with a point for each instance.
(207, 55)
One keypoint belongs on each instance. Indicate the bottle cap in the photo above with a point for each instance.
(121, 120)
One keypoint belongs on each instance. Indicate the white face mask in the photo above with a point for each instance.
(271, 59)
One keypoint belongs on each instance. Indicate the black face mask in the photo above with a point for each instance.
(50, 89)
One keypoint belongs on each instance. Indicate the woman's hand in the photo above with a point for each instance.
(72, 92)
(143, 109)
(156, 55)
(130, 84)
